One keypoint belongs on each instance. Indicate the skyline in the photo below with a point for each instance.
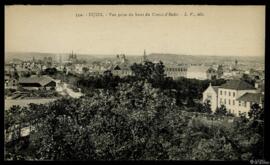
(127, 54)
(55, 29)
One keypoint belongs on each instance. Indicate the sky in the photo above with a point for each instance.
(221, 31)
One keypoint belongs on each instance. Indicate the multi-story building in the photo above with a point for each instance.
(211, 94)
(197, 72)
(229, 92)
(236, 95)
(175, 71)
(122, 70)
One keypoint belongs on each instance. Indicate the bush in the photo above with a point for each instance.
(8, 92)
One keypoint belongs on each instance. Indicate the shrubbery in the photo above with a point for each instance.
(132, 118)
(135, 122)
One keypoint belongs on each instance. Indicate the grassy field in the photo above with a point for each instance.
(25, 102)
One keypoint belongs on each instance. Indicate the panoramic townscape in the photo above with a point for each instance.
(125, 86)
(206, 96)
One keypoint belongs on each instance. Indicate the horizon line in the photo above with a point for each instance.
(165, 53)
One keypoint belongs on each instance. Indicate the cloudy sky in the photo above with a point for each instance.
(223, 30)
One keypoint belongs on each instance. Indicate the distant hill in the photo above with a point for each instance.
(165, 57)
(88, 57)
(26, 55)
(175, 58)
(29, 55)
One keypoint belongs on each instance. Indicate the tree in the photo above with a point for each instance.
(131, 121)
(248, 79)
(138, 70)
(201, 108)
(121, 125)
(50, 71)
(158, 75)
(15, 74)
(85, 70)
(222, 111)
(256, 112)
(207, 107)
(143, 71)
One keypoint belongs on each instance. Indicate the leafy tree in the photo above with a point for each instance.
(207, 107)
(143, 71)
(203, 108)
(50, 71)
(138, 70)
(256, 112)
(132, 118)
(221, 111)
(158, 75)
(248, 79)
(125, 125)
(15, 74)
(85, 69)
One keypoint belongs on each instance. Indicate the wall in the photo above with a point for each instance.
(232, 105)
(211, 92)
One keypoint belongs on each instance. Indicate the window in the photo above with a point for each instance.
(220, 92)
(233, 102)
(233, 94)
(239, 103)
(229, 102)
(245, 104)
(229, 93)
(224, 101)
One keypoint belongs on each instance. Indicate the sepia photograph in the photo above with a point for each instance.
(134, 82)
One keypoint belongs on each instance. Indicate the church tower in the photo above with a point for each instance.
(144, 56)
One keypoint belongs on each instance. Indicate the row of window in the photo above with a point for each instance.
(225, 93)
(232, 111)
(229, 102)
(232, 102)
(175, 69)
(175, 73)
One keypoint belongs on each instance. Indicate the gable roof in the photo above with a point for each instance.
(251, 97)
(117, 67)
(237, 85)
(215, 88)
(42, 80)
(122, 67)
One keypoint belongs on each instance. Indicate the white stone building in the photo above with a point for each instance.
(175, 71)
(236, 95)
(197, 72)
(211, 94)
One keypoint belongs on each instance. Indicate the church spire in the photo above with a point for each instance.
(144, 56)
